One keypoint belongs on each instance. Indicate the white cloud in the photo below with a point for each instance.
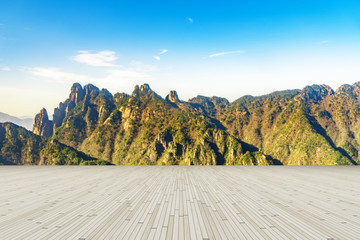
(324, 42)
(48, 85)
(58, 75)
(113, 78)
(225, 53)
(100, 59)
(163, 51)
(5, 68)
(190, 20)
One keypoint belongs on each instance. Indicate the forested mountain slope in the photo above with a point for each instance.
(312, 126)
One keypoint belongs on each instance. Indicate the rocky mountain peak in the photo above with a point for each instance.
(147, 129)
(89, 88)
(77, 93)
(356, 85)
(356, 88)
(344, 89)
(76, 87)
(136, 91)
(145, 88)
(43, 126)
(120, 96)
(173, 97)
(316, 92)
(106, 93)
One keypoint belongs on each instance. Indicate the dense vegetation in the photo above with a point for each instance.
(313, 126)
(143, 128)
(19, 146)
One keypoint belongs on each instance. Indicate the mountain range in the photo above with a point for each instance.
(312, 126)
(26, 122)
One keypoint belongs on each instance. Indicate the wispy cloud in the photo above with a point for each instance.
(5, 68)
(57, 74)
(225, 53)
(112, 76)
(100, 59)
(324, 42)
(163, 51)
(190, 20)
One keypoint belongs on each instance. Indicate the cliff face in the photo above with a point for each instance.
(143, 128)
(42, 125)
(77, 94)
(172, 97)
(313, 126)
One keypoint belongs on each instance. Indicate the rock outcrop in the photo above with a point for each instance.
(312, 126)
(43, 126)
(172, 97)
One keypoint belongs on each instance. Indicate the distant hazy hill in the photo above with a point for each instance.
(24, 122)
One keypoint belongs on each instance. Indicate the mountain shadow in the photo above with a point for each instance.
(320, 130)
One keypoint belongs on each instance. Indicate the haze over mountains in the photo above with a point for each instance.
(312, 126)
(26, 122)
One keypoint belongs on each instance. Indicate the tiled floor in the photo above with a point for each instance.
(179, 202)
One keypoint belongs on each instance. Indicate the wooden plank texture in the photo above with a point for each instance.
(179, 202)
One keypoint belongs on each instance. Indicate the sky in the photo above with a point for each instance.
(212, 48)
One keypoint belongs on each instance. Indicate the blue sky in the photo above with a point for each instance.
(223, 48)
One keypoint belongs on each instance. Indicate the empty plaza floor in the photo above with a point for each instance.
(179, 202)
